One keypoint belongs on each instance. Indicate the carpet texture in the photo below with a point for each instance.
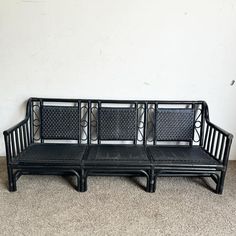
(48, 205)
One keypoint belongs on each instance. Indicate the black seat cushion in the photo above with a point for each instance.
(46, 153)
(193, 156)
(108, 154)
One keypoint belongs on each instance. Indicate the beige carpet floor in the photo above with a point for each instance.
(48, 205)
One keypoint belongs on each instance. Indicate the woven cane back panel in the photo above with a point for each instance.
(60, 122)
(174, 124)
(117, 123)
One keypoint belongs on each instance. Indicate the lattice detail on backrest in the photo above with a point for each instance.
(117, 123)
(174, 124)
(60, 122)
(142, 118)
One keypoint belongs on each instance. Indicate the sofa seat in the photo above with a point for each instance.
(52, 154)
(108, 154)
(176, 156)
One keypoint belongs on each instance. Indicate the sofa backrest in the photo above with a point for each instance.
(60, 122)
(99, 121)
(174, 124)
(117, 123)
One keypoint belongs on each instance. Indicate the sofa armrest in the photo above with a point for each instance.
(217, 142)
(17, 139)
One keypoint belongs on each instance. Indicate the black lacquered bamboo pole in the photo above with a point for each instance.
(209, 139)
(145, 124)
(17, 142)
(27, 133)
(136, 123)
(222, 147)
(89, 123)
(21, 139)
(13, 144)
(213, 141)
(206, 136)
(24, 136)
(217, 145)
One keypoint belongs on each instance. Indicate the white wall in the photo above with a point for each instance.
(124, 49)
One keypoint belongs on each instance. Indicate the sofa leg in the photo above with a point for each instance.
(151, 186)
(154, 184)
(77, 182)
(83, 182)
(11, 180)
(148, 186)
(220, 184)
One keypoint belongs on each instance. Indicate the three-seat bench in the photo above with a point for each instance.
(85, 137)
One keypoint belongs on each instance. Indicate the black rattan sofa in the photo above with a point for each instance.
(121, 138)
